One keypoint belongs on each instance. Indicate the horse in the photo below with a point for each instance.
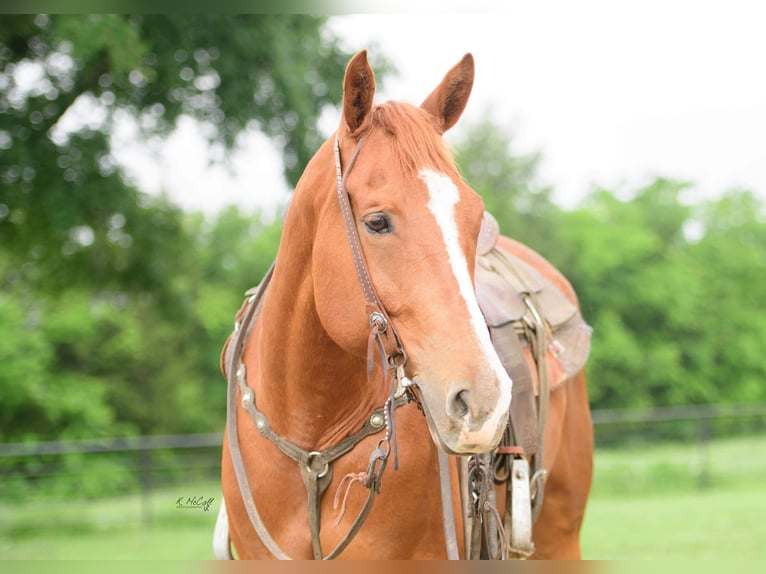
(362, 374)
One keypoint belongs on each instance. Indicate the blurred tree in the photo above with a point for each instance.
(46, 391)
(233, 251)
(115, 305)
(507, 181)
(64, 80)
(730, 261)
(677, 318)
(628, 262)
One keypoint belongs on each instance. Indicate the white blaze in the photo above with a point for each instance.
(443, 196)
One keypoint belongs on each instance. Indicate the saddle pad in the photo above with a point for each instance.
(503, 281)
(512, 296)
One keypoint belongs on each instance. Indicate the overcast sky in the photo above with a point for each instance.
(612, 94)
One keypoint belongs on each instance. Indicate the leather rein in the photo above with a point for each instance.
(316, 466)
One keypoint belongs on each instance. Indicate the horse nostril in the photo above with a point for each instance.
(458, 406)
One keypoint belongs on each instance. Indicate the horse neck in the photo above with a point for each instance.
(313, 392)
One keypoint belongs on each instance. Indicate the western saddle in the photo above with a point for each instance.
(542, 341)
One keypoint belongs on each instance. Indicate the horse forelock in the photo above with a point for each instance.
(415, 141)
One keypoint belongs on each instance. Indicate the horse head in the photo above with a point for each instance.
(418, 223)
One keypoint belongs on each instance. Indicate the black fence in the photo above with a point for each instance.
(690, 423)
(667, 448)
(39, 473)
(100, 468)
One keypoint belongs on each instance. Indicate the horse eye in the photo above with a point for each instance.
(378, 223)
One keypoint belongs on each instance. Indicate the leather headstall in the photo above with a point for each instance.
(382, 329)
(316, 466)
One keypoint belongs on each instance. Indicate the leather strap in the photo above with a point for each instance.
(448, 513)
(231, 426)
(315, 466)
(382, 327)
(505, 339)
(541, 338)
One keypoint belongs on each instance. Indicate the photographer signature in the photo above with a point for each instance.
(194, 502)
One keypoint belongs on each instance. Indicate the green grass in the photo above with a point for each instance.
(732, 464)
(110, 528)
(678, 501)
(190, 541)
(689, 525)
(646, 504)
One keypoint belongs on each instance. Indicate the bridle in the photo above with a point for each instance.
(316, 466)
(382, 329)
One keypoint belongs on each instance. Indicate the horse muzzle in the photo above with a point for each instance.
(464, 420)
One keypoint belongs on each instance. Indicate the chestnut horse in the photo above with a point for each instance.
(368, 351)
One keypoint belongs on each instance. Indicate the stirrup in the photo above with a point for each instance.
(521, 509)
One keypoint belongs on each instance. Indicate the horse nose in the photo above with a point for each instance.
(466, 406)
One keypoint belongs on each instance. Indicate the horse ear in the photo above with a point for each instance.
(358, 92)
(447, 102)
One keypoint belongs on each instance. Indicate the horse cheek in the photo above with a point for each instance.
(340, 305)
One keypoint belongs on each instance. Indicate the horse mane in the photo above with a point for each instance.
(415, 142)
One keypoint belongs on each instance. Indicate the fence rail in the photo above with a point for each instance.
(118, 444)
(601, 417)
(104, 467)
(678, 413)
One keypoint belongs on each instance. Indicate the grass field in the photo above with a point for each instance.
(649, 502)
(698, 525)
(646, 504)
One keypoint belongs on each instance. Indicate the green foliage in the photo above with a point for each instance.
(99, 362)
(664, 331)
(60, 192)
(677, 318)
(24, 356)
(114, 305)
(506, 181)
(731, 263)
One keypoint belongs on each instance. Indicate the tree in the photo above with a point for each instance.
(677, 318)
(507, 181)
(730, 260)
(115, 304)
(60, 191)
